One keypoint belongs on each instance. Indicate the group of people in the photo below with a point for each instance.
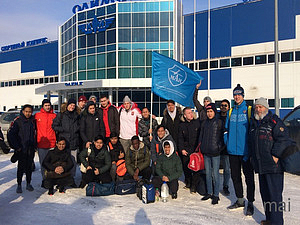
(113, 144)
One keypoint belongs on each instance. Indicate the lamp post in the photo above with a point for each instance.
(276, 64)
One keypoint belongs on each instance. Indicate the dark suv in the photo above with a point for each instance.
(292, 121)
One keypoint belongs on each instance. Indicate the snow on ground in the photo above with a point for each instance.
(74, 207)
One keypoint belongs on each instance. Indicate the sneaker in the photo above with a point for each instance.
(226, 191)
(51, 191)
(215, 200)
(61, 189)
(29, 187)
(236, 205)
(206, 197)
(19, 188)
(82, 184)
(250, 209)
(174, 196)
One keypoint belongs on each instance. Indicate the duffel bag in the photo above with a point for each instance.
(125, 187)
(148, 193)
(96, 189)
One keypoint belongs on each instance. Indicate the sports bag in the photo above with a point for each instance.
(139, 187)
(196, 160)
(290, 160)
(125, 187)
(96, 189)
(121, 168)
(148, 193)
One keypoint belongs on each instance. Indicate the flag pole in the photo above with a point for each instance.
(151, 112)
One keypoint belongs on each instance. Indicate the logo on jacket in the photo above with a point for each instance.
(176, 75)
(96, 25)
(281, 129)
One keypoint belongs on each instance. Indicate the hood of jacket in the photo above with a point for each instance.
(63, 108)
(140, 147)
(171, 148)
(43, 110)
(161, 139)
(178, 111)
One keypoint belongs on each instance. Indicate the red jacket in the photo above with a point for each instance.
(45, 134)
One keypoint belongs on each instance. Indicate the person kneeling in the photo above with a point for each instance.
(97, 163)
(168, 168)
(137, 160)
(58, 163)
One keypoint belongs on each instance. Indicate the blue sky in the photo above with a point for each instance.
(23, 20)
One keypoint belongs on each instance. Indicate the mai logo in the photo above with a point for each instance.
(96, 25)
(176, 75)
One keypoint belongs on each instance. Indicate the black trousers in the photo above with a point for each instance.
(25, 166)
(173, 184)
(145, 174)
(90, 176)
(236, 165)
(61, 182)
(271, 187)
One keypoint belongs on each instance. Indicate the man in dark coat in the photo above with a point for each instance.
(268, 139)
(22, 137)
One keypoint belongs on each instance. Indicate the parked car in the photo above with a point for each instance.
(292, 121)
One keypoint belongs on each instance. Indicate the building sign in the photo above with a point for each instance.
(92, 4)
(75, 83)
(96, 25)
(23, 44)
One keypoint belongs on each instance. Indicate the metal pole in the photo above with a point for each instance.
(208, 49)
(194, 32)
(276, 65)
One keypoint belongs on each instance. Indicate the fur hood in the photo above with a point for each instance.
(178, 110)
(63, 108)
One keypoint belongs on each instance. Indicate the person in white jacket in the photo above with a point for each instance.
(130, 115)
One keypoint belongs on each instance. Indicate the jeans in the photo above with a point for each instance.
(74, 159)
(226, 170)
(42, 152)
(212, 165)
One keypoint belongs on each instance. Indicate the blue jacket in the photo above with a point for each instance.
(236, 134)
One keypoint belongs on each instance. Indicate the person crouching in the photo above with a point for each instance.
(58, 164)
(97, 163)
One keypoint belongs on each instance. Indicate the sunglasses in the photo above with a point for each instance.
(224, 105)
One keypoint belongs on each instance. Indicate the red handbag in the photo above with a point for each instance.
(196, 160)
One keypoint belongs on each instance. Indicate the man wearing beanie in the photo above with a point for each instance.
(267, 140)
(201, 108)
(66, 125)
(129, 120)
(82, 102)
(236, 139)
(45, 134)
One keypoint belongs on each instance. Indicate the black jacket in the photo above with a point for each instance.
(268, 137)
(91, 126)
(66, 124)
(56, 157)
(200, 108)
(113, 118)
(144, 126)
(211, 137)
(22, 134)
(223, 118)
(172, 125)
(3, 145)
(188, 135)
(115, 151)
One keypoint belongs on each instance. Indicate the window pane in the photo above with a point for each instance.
(191, 66)
(164, 19)
(287, 103)
(82, 41)
(125, 20)
(125, 7)
(100, 74)
(111, 36)
(164, 34)
(271, 102)
(297, 56)
(260, 59)
(111, 9)
(287, 57)
(82, 76)
(152, 35)
(111, 60)
(214, 64)
(224, 63)
(138, 35)
(138, 19)
(152, 19)
(203, 65)
(101, 38)
(248, 61)
(124, 73)
(236, 61)
(148, 58)
(90, 14)
(124, 58)
(91, 62)
(124, 35)
(138, 58)
(138, 72)
(111, 73)
(91, 75)
(164, 6)
(81, 63)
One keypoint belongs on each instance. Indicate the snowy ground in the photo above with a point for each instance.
(74, 207)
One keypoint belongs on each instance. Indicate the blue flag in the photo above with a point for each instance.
(172, 80)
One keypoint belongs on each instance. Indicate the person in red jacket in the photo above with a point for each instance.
(46, 137)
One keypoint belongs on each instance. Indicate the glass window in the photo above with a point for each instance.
(124, 58)
(82, 63)
(271, 58)
(287, 103)
(100, 74)
(111, 48)
(46, 80)
(287, 56)
(152, 45)
(152, 6)
(138, 19)
(164, 34)
(111, 73)
(91, 62)
(82, 41)
(260, 59)
(82, 76)
(164, 45)
(41, 80)
(91, 75)
(101, 61)
(138, 58)
(91, 50)
(27, 82)
(164, 6)
(36, 81)
(124, 73)
(81, 52)
(91, 14)
(214, 64)
(164, 19)
(10, 83)
(111, 9)
(23, 82)
(148, 58)
(138, 7)
(224, 63)
(148, 72)
(81, 16)
(297, 56)
(101, 11)
(51, 79)
(56, 79)
(271, 102)
(90, 40)
(152, 19)
(152, 34)
(125, 20)
(191, 66)
(18, 82)
(138, 72)
(125, 7)
(124, 35)
(138, 34)
(111, 60)
(203, 65)
(101, 38)
(101, 49)
(111, 36)
(248, 61)
(236, 61)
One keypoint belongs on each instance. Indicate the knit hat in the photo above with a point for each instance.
(45, 101)
(126, 99)
(82, 98)
(262, 101)
(211, 106)
(238, 90)
(89, 103)
(71, 100)
(92, 96)
(207, 98)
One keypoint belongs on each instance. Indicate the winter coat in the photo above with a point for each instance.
(22, 134)
(111, 119)
(172, 125)
(169, 165)
(56, 157)
(144, 126)
(99, 159)
(223, 118)
(129, 122)
(268, 137)
(66, 124)
(157, 147)
(211, 137)
(46, 137)
(188, 135)
(115, 150)
(236, 131)
(91, 126)
(137, 158)
(200, 108)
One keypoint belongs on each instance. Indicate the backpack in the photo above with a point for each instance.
(148, 193)
(249, 107)
(196, 160)
(121, 168)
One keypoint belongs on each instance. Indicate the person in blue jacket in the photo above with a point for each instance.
(236, 139)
